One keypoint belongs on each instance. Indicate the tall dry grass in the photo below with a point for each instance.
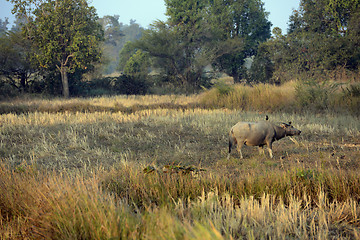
(122, 103)
(261, 97)
(293, 96)
(124, 203)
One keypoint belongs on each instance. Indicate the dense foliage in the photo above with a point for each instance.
(323, 37)
(16, 64)
(203, 33)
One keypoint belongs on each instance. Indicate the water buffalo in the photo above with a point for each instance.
(259, 134)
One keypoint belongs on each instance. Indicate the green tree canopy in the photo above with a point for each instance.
(65, 32)
(200, 33)
(245, 21)
(16, 60)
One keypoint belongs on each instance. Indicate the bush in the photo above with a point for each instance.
(124, 84)
(130, 85)
(223, 88)
(350, 98)
(7, 91)
(313, 95)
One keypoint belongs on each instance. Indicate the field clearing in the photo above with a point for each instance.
(165, 136)
(93, 161)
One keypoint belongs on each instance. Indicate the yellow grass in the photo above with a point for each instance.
(262, 97)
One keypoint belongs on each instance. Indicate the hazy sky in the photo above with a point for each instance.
(147, 11)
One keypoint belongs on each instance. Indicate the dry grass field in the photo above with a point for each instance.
(155, 167)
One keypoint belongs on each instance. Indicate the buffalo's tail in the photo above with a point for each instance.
(231, 140)
(230, 144)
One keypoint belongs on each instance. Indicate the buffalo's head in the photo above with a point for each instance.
(290, 130)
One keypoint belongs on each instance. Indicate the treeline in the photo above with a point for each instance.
(48, 53)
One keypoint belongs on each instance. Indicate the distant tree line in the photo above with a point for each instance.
(63, 47)
(323, 37)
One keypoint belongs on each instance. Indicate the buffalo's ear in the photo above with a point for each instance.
(289, 123)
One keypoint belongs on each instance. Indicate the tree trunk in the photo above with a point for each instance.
(23, 86)
(65, 82)
(236, 77)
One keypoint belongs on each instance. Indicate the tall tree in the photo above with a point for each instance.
(187, 42)
(65, 32)
(16, 60)
(162, 43)
(244, 21)
(199, 33)
(189, 36)
(117, 34)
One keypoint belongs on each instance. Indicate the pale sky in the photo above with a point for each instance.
(147, 11)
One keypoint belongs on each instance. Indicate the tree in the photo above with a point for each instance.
(3, 26)
(112, 29)
(138, 64)
(111, 46)
(171, 53)
(186, 43)
(65, 32)
(199, 33)
(244, 21)
(262, 67)
(125, 54)
(335, 23)
(186, 36)
(117, 35)
(134, 79)
(16, 60)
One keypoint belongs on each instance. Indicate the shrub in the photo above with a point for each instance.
(7, 91)
(350, 98)
(223, 88)
(313, 95)
(128, 84)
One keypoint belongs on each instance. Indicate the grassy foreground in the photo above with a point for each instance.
(75, 170)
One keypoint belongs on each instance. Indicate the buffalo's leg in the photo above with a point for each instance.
(269, 145)
(261, 150)
(239, 146)
(232, 141)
